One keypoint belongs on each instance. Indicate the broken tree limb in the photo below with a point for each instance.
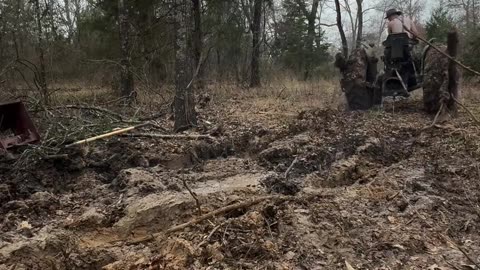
(464, 252)
(91, 108)
(218, 212)
(199, 219)
(106, 135)
(290, 167)
(443, 53)
(468, 110)
(167, 136)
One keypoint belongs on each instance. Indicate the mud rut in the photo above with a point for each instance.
(372, 189)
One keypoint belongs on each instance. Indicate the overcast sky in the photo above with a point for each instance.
(371, 18)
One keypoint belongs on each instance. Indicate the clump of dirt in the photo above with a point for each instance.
(275, 183)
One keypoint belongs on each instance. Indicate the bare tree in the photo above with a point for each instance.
(126, 75)
(411, 8)
(311, 17)
(198, 40)
(184, 103)
(359, 22)
(469, 10)
(42, 74)
(340, 29)
(256, 42)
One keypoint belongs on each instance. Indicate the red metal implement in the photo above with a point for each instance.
(16, 127)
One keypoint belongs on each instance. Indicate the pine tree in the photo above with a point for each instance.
(294, 45)
(439, 25)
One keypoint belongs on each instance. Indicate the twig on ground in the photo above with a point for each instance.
(92, 108)
(449, 263)
(468, 111)
(278, 113)
(197, 202)
(454, 245)
(290, 168)
(165, 136)
(440, 111)
(199, 219)
(212, 232)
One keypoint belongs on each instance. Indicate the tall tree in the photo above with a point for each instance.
(256, 42)
(41, 77)
(311, 17)
(359, 23)
(198, 41)
(439, 24)
(340, 29)
(126, 75)
(299, 42)
(184, 103)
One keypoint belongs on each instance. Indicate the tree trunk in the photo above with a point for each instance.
(68, 18)
(340, 29)
(126, 76)
(41, 76)
(360, 23)
(198, 41)
(184, 103)
(311, 17)
(256, 32)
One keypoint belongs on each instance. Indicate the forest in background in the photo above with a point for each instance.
(128, 44)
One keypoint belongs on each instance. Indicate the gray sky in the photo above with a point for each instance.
(372, 19)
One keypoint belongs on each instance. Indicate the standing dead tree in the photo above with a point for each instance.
(126, 75)
(359, 23)
(198, 40)
(42, 74)
(255, 28)
(184, 102)
(341, 30)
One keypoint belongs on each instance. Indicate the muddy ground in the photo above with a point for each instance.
(358, 190)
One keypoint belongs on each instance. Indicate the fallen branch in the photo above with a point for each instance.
(218, 212)
(470, 259)
(197, 201)
(467, 109)
(92, 108)
(290, 167)
(199, 219)
(165, 136)
(107, 135)
(278, 113)
(211, 233)
(434, 123)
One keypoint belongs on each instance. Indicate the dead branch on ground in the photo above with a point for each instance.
(290, 167)
(165, 136)
(465, 253)
(194, 196)
(199, 219)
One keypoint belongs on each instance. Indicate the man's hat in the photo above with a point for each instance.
(393, 11)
